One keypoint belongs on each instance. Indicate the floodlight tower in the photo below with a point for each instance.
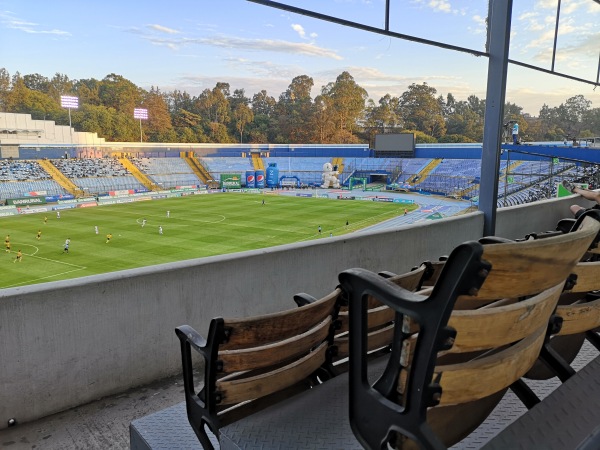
(67, 101)
(140, 113)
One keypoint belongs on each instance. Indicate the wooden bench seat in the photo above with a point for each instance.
(250, 363)
(267, 378)
(436, 400)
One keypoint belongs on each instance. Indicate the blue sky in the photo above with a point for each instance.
(191, 44)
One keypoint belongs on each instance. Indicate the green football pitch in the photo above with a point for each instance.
(198, 226)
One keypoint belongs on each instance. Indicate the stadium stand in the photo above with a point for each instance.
(167, 172)
(217, 166)
(520, 182)
(97, 175)
(307, 170)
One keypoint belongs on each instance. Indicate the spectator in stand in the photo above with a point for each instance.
(588, 194)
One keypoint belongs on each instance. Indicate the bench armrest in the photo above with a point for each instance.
(374, 410)
(201, 405)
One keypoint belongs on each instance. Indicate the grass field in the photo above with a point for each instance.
(199, 226)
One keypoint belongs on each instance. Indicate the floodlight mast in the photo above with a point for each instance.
(140, 113)
(68, 101)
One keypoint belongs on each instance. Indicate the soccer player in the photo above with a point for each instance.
(168, 214)
(7, 245)
(96, 229)
(108, 238)
(19, 257)
(143, 223)
(58, 214)
(45, 220)
(319, 229)
(39, 235)
(160, 231)
(66, 247)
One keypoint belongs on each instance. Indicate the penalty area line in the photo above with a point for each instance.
(76, 269)
(59, 262)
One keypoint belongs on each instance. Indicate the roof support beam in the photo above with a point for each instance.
(499, 21)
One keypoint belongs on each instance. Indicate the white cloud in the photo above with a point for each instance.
(480, 24)
(440, 5)
(162, 29)
(299, 29)
(269, 45)
(14, 23)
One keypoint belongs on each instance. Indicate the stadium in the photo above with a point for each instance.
(42, 177)
(119, 243)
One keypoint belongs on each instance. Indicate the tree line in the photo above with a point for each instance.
(341, 113)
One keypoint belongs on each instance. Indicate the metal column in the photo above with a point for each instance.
(498, 45)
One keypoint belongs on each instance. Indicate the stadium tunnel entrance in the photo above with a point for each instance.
(374, 176)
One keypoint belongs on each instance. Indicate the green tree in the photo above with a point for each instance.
(159, 124)
(36, 82)
(213, 104)
(323, 122)
(294, 110)
(421, 138)
(5, 89)
(59, 85)
(88, 91)
(422, 111)
(263, 104)
(177, 100)
(346, 105)
(96, 119)
(242, 115)
(264, 127)
(120, 94)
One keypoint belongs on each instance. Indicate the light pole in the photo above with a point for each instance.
(67, 101)
(140, 113)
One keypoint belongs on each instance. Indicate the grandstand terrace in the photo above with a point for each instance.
(520, 181)
(167, 172)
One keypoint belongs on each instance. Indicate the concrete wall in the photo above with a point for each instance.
(515, 221)
(65, 343)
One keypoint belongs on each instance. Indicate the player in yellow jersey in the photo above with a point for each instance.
(108, 237)
(19, 257)
(39, 235)
(7, 243)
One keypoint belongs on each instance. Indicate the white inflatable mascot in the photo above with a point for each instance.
(329, 177)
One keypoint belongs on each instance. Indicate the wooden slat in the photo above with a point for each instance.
(588, 277)
(274, 327)
(250, 388)
(268, 355)
(482, 377)
(525, 268)
(379, 314)
(410, 280)
(579, 318)
(494, 327)
(375, 317)
(375, 339)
